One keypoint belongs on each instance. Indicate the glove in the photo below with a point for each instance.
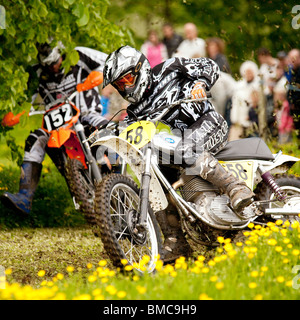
(198, 91)
(10, 120)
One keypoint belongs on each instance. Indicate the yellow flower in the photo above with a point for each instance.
(82, 297)
(252, 285)
(239, 244)
(124, 262)
(59, 276)
(8, 271)
(111, 289)
(286, 260)
(280, 279)
(258, 297)
(279, 222)
(201, 258)
(272, 242)
(213, 278)
(219, 285)
(220, 239)
(96, 292)
(89, 266)
(204, 296)
(251, 225)
(141, 290)
(128, 268)
(264, 269)
(121, 294)
(287, 223)
(205, 270)
(254, 274)
(295, 252)
(92, 278)
(278, 249)
(41, 273)
(102, 263)
(70, 268)
(295, 224)
(289, 283)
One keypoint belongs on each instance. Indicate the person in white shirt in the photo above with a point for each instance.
(192, 46)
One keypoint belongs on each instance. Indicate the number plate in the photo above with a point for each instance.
(57, 117)
(243, 170)
(139, 133)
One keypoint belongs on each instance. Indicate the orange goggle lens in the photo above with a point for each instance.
(128, 80)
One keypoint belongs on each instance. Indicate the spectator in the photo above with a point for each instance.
(294, 87)
(192, 46)
(215, 50)
(154, 50)
(171, 39)
(283, 114)
(284, 64)
(222, 93)
(242, 100)
(268, 66)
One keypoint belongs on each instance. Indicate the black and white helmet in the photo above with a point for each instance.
(129, 71)
(47, 55)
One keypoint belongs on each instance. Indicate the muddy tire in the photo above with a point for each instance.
(116, 204)
(290, 185)
(81, 188)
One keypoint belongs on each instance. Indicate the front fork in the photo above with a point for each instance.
(144, 193)
(91, 161)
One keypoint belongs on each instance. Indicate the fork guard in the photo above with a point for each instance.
(135, 160)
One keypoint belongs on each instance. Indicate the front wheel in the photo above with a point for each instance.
(116, 212)
(288, 184)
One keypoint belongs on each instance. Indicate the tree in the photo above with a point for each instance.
(31, 21)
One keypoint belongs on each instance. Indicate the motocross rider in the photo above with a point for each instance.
(52, 83)
(148, 90)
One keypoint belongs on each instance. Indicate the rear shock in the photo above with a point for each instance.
(269, 181)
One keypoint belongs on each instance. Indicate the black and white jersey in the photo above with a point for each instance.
(173, 80)
(53, 86)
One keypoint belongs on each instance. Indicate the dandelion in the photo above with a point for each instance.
(92, 278)
(8, 271)
(205, 270)
(251, 225)
(220, 239)
(272, 242)
(280, 279)
(70, 268)
(295, 224)
(121, 294)
(141, 290)
(239, 244)
(96, 292)
(219, 285)
(82, 297)
(204, 296)
(278, 249)
(258, 297)
(295, 252)
(89, 266)
(254, 274)
(201, 258)
(285, 261)
(128, 268)
(59, 276)
(289, 283)
(252, 285)
(279, 222)
(111, 290)
(124, 262)
(102, 263)
(41, 273)
(213, 278)
(264, 268)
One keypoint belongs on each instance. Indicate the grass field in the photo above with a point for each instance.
(54, 254)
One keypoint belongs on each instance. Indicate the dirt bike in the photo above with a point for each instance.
(68, 148)
(126, 213)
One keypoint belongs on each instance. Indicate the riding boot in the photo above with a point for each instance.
(22, 201)
(211, 170)
(175, 244)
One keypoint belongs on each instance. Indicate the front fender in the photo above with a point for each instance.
(135, 160)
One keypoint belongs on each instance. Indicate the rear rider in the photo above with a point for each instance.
(148, 90)
(52, 84)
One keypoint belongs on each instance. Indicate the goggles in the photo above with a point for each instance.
(128, 80)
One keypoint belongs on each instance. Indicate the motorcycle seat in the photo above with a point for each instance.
(248, 148)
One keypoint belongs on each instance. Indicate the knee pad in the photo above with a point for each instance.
(35, 146)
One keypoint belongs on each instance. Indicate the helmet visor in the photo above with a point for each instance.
(128, 80)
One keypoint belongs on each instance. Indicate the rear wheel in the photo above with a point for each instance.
(81, 188)
(116, 207)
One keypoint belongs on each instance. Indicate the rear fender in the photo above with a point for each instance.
(281, 164)
(135, 160)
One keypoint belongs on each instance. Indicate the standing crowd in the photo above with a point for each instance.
(274, 81)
